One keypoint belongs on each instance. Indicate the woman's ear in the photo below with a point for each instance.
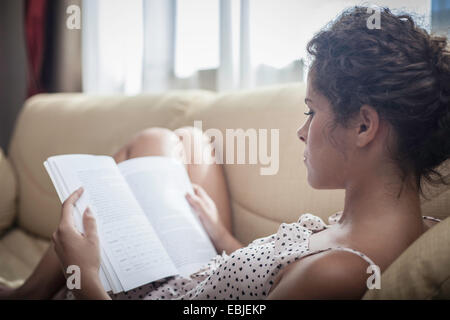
(367, 125)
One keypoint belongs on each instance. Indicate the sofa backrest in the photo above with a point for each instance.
(53, 124)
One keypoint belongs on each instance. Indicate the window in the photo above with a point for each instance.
(197, 36)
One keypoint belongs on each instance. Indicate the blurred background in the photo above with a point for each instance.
(150, 46)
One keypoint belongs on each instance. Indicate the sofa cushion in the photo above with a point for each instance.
(20, 253)
(8, 193)
(436, 202)
(422, 271)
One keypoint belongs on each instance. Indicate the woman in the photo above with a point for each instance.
(378, 124)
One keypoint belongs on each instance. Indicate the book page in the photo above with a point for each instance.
(128, 239)
(160, 184)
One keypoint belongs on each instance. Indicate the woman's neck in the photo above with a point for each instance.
(374, 201)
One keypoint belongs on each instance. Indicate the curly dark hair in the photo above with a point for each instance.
(399, 70)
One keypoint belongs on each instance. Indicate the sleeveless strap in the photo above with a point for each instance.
(358, 253)
(432, 218)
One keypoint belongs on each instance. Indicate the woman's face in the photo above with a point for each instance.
(325, 162)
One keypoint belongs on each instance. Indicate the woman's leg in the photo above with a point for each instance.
(151, 142)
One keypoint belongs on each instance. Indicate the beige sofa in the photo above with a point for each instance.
(76, 123)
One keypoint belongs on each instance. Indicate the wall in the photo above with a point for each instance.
(12, 66)
(62, 59)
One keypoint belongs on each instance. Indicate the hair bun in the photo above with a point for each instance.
(438, 163)
(440, 52)
(440, 48)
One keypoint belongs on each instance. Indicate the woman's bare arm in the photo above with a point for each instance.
(229, 244)
(327, 275)
(91, 288)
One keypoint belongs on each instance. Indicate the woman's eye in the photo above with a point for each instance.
(310, 113)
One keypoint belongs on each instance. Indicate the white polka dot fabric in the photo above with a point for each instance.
(248, 273)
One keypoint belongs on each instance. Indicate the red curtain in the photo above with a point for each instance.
(35, 29)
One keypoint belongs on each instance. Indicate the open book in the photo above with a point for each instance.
(146, 227)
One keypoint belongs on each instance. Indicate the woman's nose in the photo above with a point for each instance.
(301, 134)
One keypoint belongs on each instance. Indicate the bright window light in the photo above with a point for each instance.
(281, 29)
(197, 36)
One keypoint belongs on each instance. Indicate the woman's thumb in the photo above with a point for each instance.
(89, 224)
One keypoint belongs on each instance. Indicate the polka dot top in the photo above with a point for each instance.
(249, 272)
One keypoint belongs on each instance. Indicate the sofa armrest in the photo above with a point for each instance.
(421, 272)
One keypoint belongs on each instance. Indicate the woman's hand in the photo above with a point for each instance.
(207, 212)
(82, 250)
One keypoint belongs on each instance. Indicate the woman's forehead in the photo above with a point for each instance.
(313, 97)
(311, 92)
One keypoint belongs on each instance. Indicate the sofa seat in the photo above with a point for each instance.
(20, 253)
(53, 124)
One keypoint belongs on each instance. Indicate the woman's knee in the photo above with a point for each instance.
(198, 147)
(152, 142)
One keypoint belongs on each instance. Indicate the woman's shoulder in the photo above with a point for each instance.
(326, 275)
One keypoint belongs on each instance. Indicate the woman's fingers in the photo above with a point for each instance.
(67, 208)
(199, 191)
(73, 197)
(193, 200)
(202, 194)
(90, 225)
(70, 245)
(199, 210)
(196, 203)
(67, 225)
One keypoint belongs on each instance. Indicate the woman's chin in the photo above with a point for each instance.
(314, 183)
(310, 182)
(324, 185)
